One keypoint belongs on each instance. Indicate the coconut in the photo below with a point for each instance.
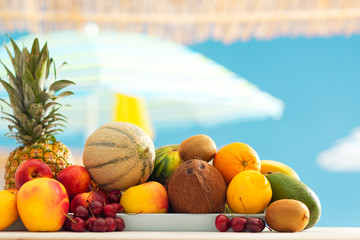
(197, 187)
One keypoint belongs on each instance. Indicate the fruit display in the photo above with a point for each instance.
(167, 160)
(123, 176)
(34, 99)
(119, 155)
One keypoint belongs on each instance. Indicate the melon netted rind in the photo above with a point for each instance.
(119, 155)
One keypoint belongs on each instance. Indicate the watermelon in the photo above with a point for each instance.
(167, 160)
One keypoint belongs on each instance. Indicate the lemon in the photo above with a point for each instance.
(9, 212)
(249, 192)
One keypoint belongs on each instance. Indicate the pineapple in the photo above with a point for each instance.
(35, 118)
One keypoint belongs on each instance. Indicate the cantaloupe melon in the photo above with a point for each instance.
(119, 155)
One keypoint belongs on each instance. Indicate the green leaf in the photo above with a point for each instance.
(43, 97)
(37, 131)
(2, 100)
(27, 139)
(53, 131)
(60, 84)
(64, 94)
(10, 120)
(16, 59)
(11, 92)
(40, 73)
(25, 55)
(17, 51)
(44, 54)
(14, 82)
(49, 62)
(11, 116)
(35, 50)
(30, 81)
(29, 95)
(36, 112)
(32, 64)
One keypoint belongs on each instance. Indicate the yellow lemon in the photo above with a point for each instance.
(249, 192)
(8, 208)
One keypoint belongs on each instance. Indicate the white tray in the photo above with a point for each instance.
(162, 222)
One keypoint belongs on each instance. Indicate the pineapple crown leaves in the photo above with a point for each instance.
(33, 96)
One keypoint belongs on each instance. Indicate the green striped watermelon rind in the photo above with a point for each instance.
(167, 160)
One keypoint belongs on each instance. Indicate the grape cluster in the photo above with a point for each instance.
(97, 217)
(239, 224)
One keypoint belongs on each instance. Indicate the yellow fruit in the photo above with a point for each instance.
(274, 166)
(249, 192)
(9, 212)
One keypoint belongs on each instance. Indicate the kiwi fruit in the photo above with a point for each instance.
(197, 147)
(197, 187)
(287, 215)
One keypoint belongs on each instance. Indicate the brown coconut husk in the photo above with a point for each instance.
(197, 187)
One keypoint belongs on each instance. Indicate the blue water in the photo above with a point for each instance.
(319, 81)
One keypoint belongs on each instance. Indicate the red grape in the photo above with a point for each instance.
(120, 224)
(117, 206)
(99, 225)
(110, 223)
(255, 224)
(79, 225)
(96, 207)
(109, 211)
(114, 196)
(82, 212)
(238, 224)
(90, 223)
(222, 223)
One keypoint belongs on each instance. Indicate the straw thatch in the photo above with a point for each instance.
(188, 21)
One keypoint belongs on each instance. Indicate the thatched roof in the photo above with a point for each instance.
(188, 21)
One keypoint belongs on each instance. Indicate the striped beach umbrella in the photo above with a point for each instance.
(156, 82)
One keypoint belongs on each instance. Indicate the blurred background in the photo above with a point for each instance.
(280, 75)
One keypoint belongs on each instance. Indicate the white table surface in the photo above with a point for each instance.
(314, 233)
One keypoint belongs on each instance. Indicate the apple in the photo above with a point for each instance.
(76, 179)
(149, 197)
(42, 204)
(84, 199)
(31, 169)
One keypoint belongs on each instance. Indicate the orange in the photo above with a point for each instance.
(235, 158)
(249, 192)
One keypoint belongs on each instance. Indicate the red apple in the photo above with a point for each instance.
(31, 169)
(83, 199)
(76, 179)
